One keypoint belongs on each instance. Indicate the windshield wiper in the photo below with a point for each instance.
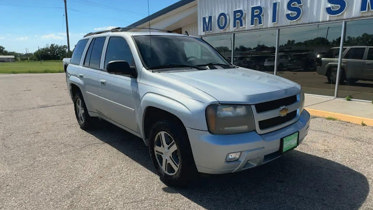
(177, 66)
(225, 66)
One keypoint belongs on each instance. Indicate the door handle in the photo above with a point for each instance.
(103, 82)
(81, 75)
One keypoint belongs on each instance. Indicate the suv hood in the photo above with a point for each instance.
(237, 85)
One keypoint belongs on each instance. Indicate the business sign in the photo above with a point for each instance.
(216, 16)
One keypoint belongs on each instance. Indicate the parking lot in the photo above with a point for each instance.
(47, 162)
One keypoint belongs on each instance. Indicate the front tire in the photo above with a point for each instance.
(81, 112)
(332, 76)
(171, 154)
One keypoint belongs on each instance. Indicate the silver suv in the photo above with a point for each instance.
(194, 110)
(357, 64)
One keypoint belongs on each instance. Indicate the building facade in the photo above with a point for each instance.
(326, 45)
(7, 58)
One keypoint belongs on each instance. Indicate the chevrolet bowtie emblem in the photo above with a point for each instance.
(284, 111)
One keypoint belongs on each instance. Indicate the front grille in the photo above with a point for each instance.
(276, 121)
(266, 106)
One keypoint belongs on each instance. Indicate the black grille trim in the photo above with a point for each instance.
(276, 121)
(266, 106)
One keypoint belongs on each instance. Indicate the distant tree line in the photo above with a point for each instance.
(309, 45)
(50, 52)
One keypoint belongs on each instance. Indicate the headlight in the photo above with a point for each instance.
(229, 119)
(301, 96)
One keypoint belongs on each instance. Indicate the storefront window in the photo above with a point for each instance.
(222, 43)
(357, 69)
(255, 50)
(304, 53)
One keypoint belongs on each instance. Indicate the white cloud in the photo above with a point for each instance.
(58, 36)
(22, 38)
(2, 37)
(104, 28)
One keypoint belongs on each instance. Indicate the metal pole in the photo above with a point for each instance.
(340, 58)
(67, 28)
(277, 49)
(233, 44)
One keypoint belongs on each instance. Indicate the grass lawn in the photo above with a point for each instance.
(31, 67)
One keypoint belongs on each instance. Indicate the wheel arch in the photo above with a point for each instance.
(74, 89)
(154, 114)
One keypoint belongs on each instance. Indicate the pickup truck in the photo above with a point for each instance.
(357, 64)
(196, 112)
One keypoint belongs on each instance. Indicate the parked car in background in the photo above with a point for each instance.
(283, 62)
(357, 64)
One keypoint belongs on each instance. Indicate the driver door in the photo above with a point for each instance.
(120, 92)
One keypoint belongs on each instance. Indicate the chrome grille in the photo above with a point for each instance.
(266, 106)
(268, 117)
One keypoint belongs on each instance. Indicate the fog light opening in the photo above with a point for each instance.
(233, 156)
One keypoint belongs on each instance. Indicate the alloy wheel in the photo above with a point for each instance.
(166, 153)
(80, 110)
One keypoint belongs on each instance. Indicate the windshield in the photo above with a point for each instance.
(163, 52)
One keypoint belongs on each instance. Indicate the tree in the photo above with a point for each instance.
(51, 52)
(3, 51)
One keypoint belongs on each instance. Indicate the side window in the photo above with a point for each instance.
(370, 54)
(118, 49)
(94, 52)
(78, 51)
(355, 53)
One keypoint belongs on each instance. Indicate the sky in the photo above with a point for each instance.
(27, 25)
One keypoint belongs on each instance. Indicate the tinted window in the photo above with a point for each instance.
(78, 51)
(370, 54)
(118, 49)
(222, 43)
(89, 52)
(355, 53)
(93, 56)
(301, 50)
(164, 52)
(255, 50)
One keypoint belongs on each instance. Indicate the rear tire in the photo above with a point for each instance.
(170, 151)
(81, 112)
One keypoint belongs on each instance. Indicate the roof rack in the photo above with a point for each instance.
(122, 29)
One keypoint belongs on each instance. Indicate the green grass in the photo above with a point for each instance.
(331, 118)
(31, 67)
(349, 98)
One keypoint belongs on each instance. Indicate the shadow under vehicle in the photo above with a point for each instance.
(297, 180)
(357, 64)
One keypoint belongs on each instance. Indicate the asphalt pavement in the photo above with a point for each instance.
(47, 162)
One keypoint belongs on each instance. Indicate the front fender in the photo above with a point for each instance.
(190, 112)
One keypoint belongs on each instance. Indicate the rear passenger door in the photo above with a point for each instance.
(120, 92)
(368, 71)
(92, 74)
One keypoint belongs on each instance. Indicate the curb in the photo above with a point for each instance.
(341, 117)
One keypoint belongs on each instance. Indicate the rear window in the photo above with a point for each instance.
(78, 51)
(93, 57)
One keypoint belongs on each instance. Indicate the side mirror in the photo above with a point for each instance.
(122, 68)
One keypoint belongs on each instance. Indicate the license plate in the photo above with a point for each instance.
(290, 142)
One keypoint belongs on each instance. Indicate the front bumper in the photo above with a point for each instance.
(210, 151)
